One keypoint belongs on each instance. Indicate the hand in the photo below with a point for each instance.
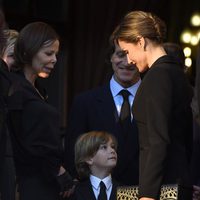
(68, 192)
(61, 171)
(196, 192)
(65, 182)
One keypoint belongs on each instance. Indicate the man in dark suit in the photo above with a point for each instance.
(99, 109)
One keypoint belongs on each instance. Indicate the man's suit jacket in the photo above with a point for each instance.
(164, 118)
(96, 110)
(84, 191)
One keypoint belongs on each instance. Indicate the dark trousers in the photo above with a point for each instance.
(37, 188)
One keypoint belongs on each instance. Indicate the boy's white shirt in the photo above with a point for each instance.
(95, 182)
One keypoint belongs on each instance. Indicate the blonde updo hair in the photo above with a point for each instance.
(140, 24)
(11, 37)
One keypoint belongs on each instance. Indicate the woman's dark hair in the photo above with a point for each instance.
(31, 38)
(138, 24)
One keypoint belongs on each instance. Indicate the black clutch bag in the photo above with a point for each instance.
(167, 192)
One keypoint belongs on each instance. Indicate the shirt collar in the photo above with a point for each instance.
(95, 181)
(116, 87)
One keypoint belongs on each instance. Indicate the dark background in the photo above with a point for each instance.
(84, 27)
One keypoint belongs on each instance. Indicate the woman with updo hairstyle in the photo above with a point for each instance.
(161, 106)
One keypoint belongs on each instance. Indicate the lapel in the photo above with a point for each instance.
(106, 106)
(86, 192)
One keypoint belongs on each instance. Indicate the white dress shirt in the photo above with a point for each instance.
(115, 88)
(95, 181)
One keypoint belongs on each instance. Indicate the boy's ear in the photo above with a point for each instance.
(89, 161)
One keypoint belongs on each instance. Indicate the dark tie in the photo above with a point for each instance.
(125, 109)
(102, 193)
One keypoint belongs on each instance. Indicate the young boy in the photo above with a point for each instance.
(95, 157)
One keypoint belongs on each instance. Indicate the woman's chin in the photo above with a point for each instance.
(43, 75)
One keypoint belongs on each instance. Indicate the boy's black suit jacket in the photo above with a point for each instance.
(84, 191)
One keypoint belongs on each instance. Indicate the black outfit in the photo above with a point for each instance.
(84, 191)
(4, 85)
(195, 167)
(164, 118)
(197, 86)
(36, 139)
(7, 171)
(96, 110)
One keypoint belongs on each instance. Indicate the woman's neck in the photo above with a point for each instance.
(154, 53)
(30, 76)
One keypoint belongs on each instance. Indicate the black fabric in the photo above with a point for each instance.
(125, 109)
(4, 85)
(36, 187)
(102, 193)
(7, 168)
(84, 191)
(34, 127)
(7, 179)
(163, 114)
(36, 140)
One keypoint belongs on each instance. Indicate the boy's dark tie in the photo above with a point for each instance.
(102, 193)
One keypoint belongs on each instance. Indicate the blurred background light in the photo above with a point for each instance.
(187, 51)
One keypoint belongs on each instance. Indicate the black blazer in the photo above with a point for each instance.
(84, 191)
(34, 128)
(164, 118)
(95, 110)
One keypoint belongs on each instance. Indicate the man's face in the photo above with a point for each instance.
(125, 74)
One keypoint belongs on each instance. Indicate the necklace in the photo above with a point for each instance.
(39, 93)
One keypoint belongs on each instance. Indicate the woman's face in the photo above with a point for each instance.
(43, 62)
(135, 54)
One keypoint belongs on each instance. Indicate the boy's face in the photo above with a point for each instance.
(104, 159)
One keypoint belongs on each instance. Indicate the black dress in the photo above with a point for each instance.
(36, 139)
